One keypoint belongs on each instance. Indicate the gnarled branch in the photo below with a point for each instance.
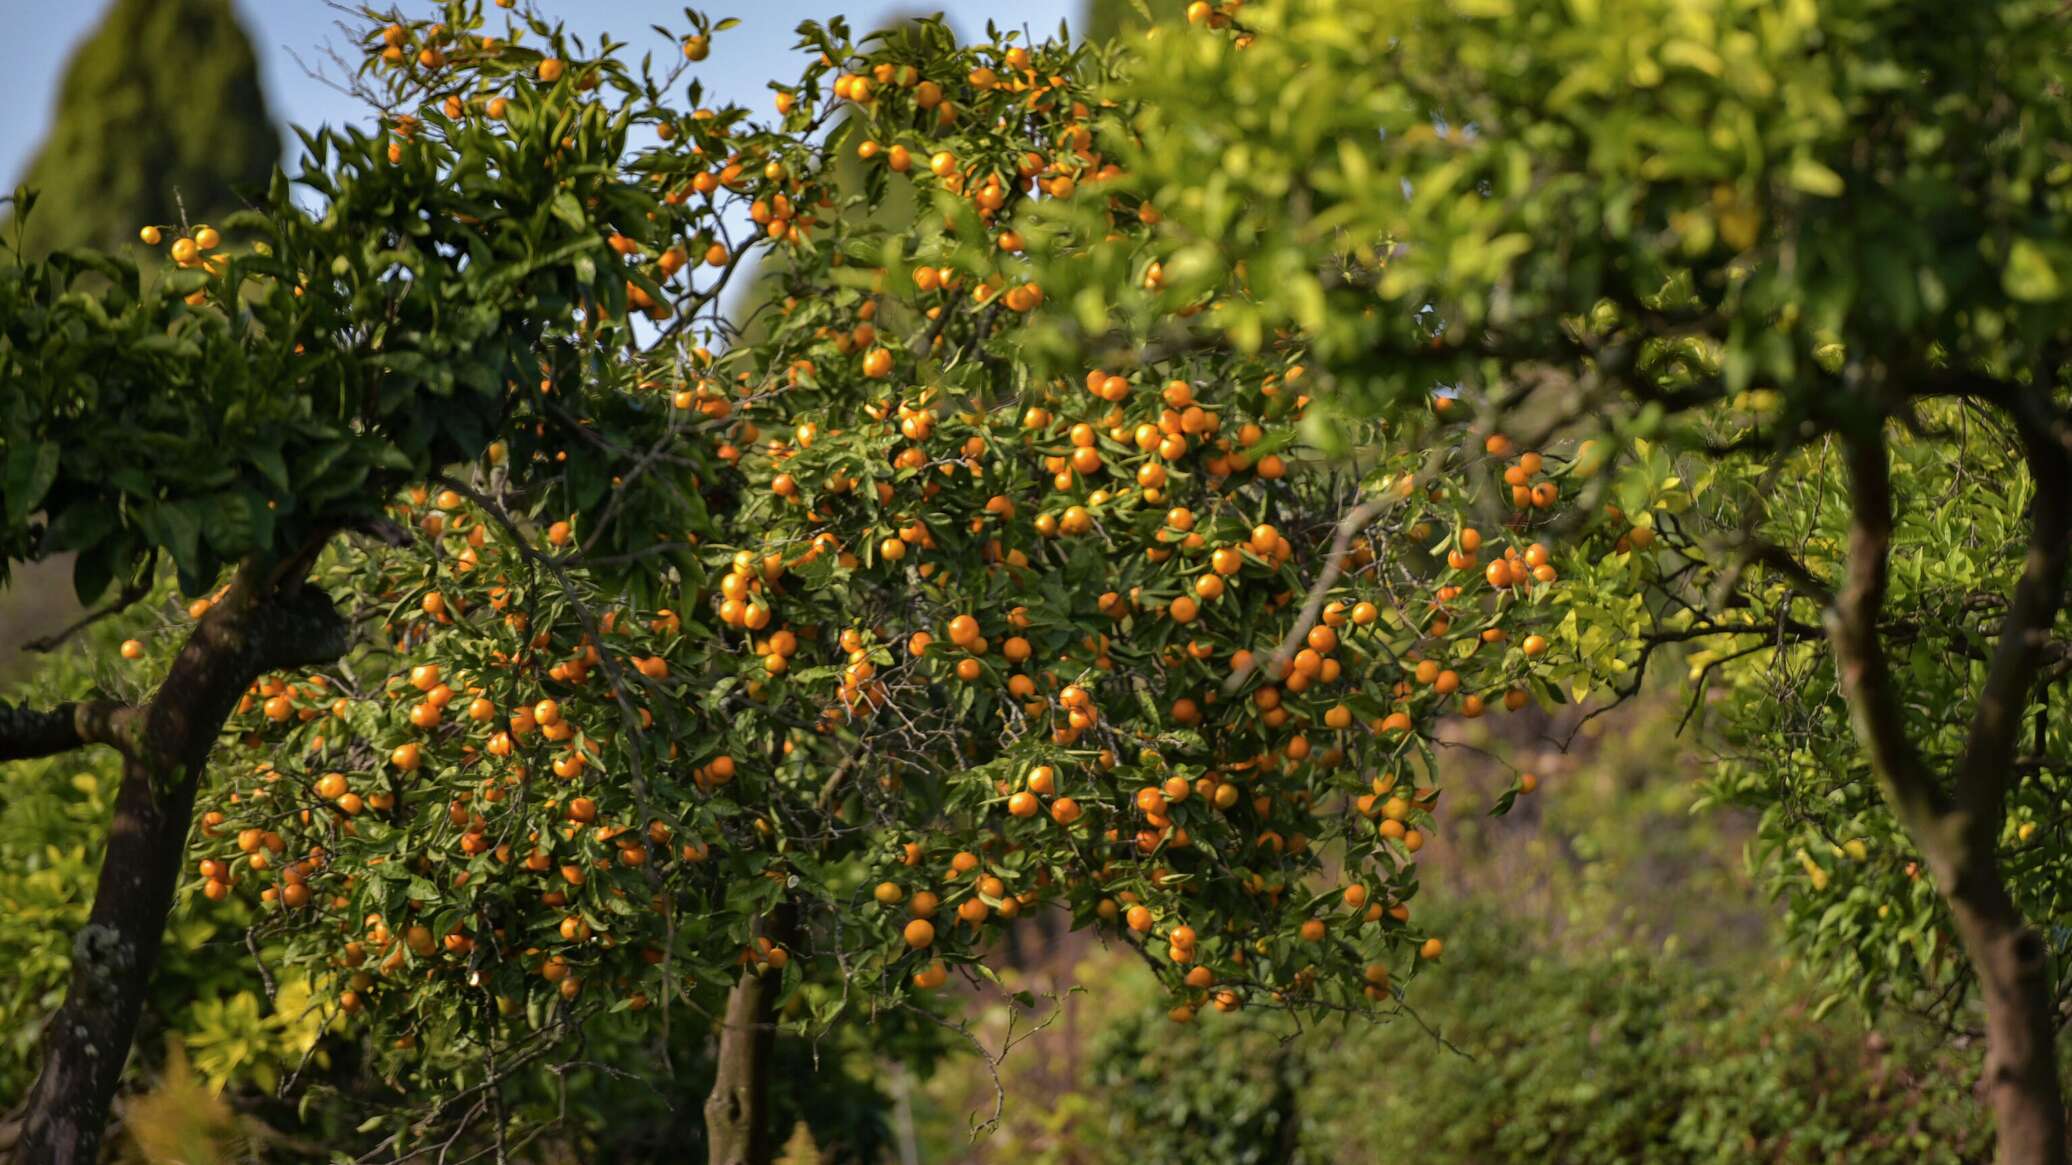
(1852, 623)
(26, 733)
(1987, 768)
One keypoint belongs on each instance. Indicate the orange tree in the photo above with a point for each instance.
(587, 660)
(245, 412)
(1784, 284)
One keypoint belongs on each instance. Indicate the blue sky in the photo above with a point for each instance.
(42, 36)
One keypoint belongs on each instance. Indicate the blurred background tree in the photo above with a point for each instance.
(161, 105)
(1106, 18)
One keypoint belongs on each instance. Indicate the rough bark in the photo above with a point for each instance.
(2021, 1078)
(165, 745)
(737, 1112)
(26, 733)
(1958, 835)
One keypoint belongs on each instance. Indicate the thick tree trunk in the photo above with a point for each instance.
(1958, 833)
(2021, 1071)
(166, 746)
(737, 1117)
(737, 1112)
(87, 1042)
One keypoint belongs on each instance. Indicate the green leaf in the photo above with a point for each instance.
(80, 526)
(1813, 178)
(269, 462)
(92, 571)
(177, 529)
(569, 210)
(30, 470)
(2029, 276)
(186, 282)
(230, 522)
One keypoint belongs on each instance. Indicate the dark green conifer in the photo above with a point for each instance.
(161, 101)
(1105, 18)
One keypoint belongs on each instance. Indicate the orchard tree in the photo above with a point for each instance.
(570, 656)
(237, 418)
(1781, 288)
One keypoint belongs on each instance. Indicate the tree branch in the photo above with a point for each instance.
(1778, 559)
(26, 733)
(1852, 624)
(1352, 523)
(1987, 768)
(131, 592)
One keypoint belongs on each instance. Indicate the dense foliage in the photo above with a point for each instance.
(954, 645)
(1624, 1055)
(1135, 456)
(1787, 278)
(1615, 992)
(825, 654)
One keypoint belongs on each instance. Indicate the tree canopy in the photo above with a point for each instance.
(825, 653)
(1108, 534)
(1785, 279)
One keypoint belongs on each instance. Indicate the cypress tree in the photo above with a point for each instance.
(161, 101)
(1106, 18)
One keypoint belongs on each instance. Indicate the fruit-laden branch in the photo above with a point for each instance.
(1355, 520)
(26, 733)
(1352, 523)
